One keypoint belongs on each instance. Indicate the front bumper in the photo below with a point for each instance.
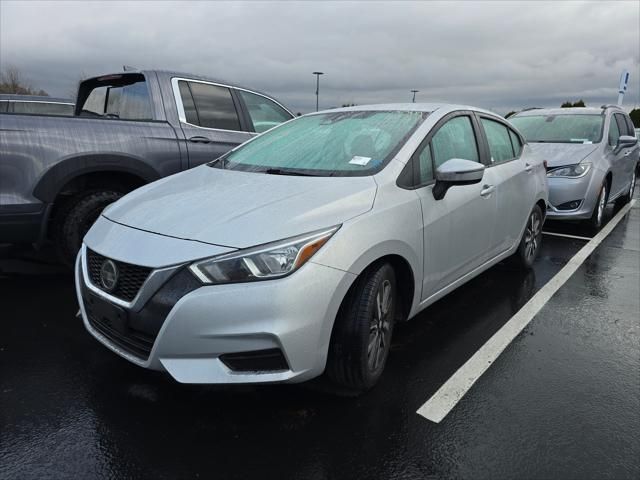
(294, 314)
(562, 190)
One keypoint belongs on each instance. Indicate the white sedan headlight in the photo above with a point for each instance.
(571, 171)
(264, 262)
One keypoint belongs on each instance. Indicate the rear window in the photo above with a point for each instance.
(124, 97)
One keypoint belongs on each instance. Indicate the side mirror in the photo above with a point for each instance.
(625, 141)
(456, 172)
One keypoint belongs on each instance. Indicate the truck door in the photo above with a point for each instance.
(210, 119)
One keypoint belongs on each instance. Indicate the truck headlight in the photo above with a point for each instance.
(571, 171)
(264, 262)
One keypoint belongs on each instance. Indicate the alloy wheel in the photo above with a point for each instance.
(602, 202)
(379, 329)
(532, 235)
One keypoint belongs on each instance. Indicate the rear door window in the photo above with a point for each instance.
(264, 113)
(499, 141)
(213, 106)
(516, 143)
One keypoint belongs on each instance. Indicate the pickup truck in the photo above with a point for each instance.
(58, 173)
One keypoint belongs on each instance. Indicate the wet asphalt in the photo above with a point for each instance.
(563, 400)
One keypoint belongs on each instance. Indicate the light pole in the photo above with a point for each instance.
(317, 74)
(414, 95)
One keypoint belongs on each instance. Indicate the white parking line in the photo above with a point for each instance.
(566, 235)
(449, 394)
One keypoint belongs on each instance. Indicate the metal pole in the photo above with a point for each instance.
(317, 74)
(414, 95)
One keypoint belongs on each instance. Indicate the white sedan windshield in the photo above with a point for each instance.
(328, 144)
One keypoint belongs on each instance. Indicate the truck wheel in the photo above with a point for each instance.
(530, 241)
(362, 334)
(75, 217)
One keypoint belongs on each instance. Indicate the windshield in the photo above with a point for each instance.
(563, 128)
(328, 144)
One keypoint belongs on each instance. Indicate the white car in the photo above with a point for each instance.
(296, 253)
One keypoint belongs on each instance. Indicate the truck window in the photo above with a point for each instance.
(209, 106)
(125, 97)
(264, 113)
(4, 107)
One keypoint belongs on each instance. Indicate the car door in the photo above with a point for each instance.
(210, 118)
(629, 154)
(457, 229)
(515, 188)
(616, 157)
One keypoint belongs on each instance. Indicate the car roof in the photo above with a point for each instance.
(409, 107)
(34, 98)
(192, 76)
(560, 111)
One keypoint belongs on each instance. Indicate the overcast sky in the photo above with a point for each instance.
(498, 55)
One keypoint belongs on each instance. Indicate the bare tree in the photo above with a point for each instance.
(12, 81)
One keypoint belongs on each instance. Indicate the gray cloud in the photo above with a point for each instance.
(499, 55)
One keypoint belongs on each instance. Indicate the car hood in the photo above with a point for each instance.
(241, 209)
(560, 154)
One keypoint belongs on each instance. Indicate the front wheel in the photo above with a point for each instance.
(595, 221)
(531, 240)
(362, 334)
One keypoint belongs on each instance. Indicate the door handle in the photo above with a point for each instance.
(199, 139)
(487, 190)
(527, 167)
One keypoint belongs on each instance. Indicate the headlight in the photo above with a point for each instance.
(572, 171)
(264, 262)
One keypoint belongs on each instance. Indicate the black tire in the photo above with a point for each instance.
(531, 240)
(74, 218)
(352, 365)
(597, 216)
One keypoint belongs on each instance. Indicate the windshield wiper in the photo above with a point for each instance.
(214, 162)
(297, 173)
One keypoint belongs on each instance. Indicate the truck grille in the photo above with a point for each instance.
(130, 277)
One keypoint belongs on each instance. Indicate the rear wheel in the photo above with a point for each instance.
(531, 240)
(362, 334)
(75, 217)
(598, 211)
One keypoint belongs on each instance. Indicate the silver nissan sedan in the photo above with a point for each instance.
(296, 253)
